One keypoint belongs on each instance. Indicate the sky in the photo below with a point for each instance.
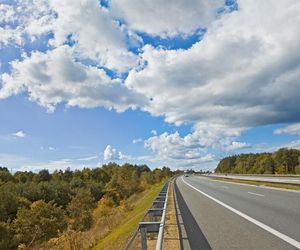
(165, 83)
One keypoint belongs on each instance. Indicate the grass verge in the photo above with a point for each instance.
(261, 183)
(119, 235)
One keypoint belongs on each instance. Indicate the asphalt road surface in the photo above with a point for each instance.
(222, 215)
(277, 179)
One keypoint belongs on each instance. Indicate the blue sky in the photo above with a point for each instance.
(180, 84)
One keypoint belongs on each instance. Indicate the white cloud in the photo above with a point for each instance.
(50, 148)
(51, 165)
(196, 149)
(267, 147)
(111, 154)
(24, 19)
(236, 145)
(293, 144)
(153, 132)
(88, 158)
(174, 150)
(25, 163)
(96, 35)
(54, 77)
(13, 160)
(238, 75)
(166, 18)
(138, 140)
(293, 129)
(243, 73)
(19, 134)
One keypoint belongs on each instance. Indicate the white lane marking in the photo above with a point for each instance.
(282, 236)
(256, 194)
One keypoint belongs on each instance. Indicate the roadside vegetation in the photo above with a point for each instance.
(120, 235)
(72, 209)
(283, 161)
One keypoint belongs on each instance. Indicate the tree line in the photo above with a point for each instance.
(35, 207)
(283, 161)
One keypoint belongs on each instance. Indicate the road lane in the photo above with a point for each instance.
(277, 209)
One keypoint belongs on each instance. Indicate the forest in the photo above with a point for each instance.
(38, 207)
(283, 161)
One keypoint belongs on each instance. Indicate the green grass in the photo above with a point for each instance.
(262, 183)
(120, 234)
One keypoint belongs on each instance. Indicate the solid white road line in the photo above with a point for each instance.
(256, 194)
(282, 236)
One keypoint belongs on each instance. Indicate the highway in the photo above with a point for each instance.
(278, 179)
(222, 215)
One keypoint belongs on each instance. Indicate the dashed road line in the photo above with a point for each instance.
(280, 235)
(256, 194)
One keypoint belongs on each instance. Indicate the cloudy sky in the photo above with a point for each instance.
(180, 83)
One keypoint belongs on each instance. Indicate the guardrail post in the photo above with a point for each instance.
(144, 238)
(151, 217)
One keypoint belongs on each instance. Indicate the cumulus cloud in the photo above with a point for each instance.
(178, 151)
(166, 18)
(293, 129)
(22, 20)
(111, 154)
(19, 134)
(54, 77)
(95, 34)
(239, 75)
(196, 149)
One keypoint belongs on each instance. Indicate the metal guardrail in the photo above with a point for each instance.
(153, 224)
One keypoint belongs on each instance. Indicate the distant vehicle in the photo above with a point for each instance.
(186, 175)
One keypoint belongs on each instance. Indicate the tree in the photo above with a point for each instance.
(283, 161)
(80, 210)
(158, 175)
(100, 176)
(264, 164)
(43, 175)
(10, 202)
(40, 222)
(286, 160)
(167, 171)
(23, 177)
(5, 175)
(7, 240)
(297, 169)
(226, 165)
